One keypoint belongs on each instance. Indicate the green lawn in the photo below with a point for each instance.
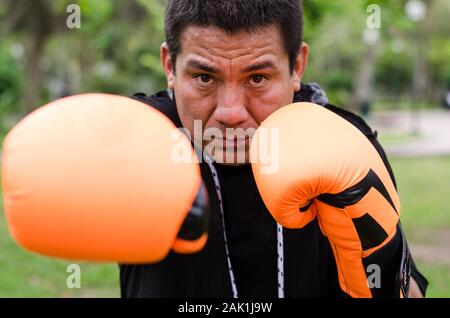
(424, 186)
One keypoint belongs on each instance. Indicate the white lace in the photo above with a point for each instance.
(280, 250)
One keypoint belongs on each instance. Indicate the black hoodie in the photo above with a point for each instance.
(308, 264)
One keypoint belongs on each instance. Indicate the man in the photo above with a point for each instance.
(230, 64)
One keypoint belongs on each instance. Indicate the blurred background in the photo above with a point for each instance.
(392, 68)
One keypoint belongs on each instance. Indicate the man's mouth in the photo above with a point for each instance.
(234, 143)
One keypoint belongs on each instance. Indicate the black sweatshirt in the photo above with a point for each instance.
(309, 265)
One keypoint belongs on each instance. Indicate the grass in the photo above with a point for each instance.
(404, 103)
(395, 139)
(438, 276)
(424, 187)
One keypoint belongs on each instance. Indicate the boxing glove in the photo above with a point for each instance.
(327, 168)
(90, 177)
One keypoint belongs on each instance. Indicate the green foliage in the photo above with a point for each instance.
(117, 47)
(334, 54)
(2, 10)
(155, 9)
(438, 56)
(10, 88)
(393, 72)
(9, 81)
(339, 84)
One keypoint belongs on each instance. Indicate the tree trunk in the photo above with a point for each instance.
(362, 96)
(33, 73)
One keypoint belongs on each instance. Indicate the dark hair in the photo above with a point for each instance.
(233, 16)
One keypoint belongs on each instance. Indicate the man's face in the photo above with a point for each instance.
(229, 84)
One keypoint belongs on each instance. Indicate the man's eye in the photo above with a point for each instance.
(203, 79)
(258, 80)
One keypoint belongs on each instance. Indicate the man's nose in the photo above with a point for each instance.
(230, 110)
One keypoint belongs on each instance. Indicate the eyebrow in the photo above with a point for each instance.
(258, 67)
(201, 66)
(194, 64)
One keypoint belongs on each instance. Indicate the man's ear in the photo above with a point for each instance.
(167, 65)
(300, 66)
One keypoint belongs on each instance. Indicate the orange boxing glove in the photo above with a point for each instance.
(328, 168)
(91, 177)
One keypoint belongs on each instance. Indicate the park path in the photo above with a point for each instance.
(432, 129)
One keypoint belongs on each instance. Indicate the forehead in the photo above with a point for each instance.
(214, 43)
